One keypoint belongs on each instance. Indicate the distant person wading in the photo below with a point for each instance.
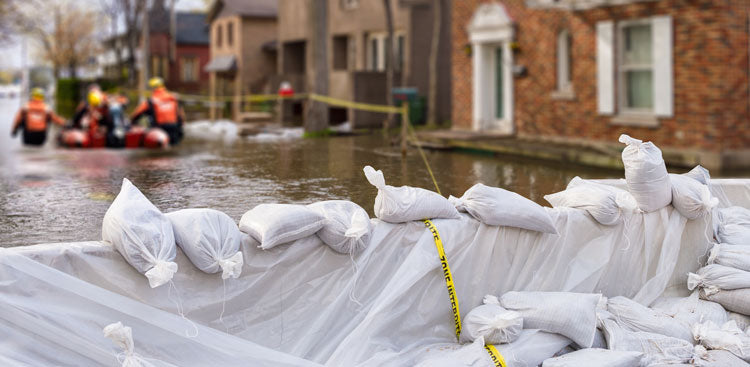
(163, 111)
(34, 119)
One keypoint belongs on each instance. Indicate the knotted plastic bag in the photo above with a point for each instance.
(347, 229)
(142, 234)
(714, 277)
(727, 337)
(494, 206)
(691, 198)
(646, 174)
(210, 239)
(405, 203)
(123, 337)
(493, 323)
(606, 204)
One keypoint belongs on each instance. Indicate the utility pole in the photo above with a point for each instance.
(145, 44)
(317, 112)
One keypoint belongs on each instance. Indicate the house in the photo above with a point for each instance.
(669, 71)
(243, 52)
(355, 51)
(178, 56)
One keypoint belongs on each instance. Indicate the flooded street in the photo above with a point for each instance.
(57, 195)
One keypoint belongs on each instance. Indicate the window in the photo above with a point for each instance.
(189, 72)
(564, 83)
(349, 4)
(635, 67)
(218, 35)
(376, 55)
(160, 67)
(340, 52)
(230, 34)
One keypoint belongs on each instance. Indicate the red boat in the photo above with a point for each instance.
(136, 137)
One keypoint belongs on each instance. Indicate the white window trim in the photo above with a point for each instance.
(381, 38)
(350, 4)
(622, 70)
(564, 77)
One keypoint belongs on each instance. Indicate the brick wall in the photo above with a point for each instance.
(712, 104)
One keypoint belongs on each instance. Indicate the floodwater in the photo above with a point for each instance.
(59, 195)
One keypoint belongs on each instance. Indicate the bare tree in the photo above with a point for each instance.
(390, 61)
(7, 20)
(133, 11)
(434, 52)
(113, 10)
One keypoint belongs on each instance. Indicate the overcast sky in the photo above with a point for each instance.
(12, 53)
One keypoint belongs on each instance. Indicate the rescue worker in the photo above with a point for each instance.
(34, 119)
(163, 111)
(93, 112)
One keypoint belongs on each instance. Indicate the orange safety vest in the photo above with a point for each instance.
(165, 107)
(36, 116)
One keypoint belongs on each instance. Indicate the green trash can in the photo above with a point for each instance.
(416, 103)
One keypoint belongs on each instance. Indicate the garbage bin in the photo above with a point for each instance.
(416, 103)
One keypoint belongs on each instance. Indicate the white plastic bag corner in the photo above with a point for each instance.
(232, 267)
(161, 273)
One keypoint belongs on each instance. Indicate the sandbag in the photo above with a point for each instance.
(593, 357)
(691, 198)
(493, 323)
(733, 226)
(727, 337)
(716, 358)
(494, 206)
(734, 256)
(735, 300)
(656, 348)
(471, 355)
(570, 314)
(141, 234)
(691, 310)
(122, 336)
(347, 229)
(700, 174)
(646, 174)
(276, 224)
(633, 316)
(532, 348)
(742, 321)
(405, 203)
(210, 239)
(716, 277)
(604, 203)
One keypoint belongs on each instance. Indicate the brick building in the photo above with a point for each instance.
(179, 59)
(675, 72)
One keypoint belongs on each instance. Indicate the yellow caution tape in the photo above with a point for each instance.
(497, 358)
(356, 105)
(448, 276)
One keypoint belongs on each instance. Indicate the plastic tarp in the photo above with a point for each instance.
(291, 306)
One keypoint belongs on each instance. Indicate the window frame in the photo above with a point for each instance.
(349, 4)
(219, 35)
(622, 69)
(381, 38)
(230, 34)
(192, 62)
(564, 61)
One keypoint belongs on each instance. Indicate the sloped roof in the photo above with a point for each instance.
(192, 28)
(248, 8)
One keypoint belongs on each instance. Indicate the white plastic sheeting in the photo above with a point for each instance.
(291, 307)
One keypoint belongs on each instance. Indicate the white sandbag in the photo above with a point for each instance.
(735, 300)
(210, 239)
(122, 336)
(699, 174)
(742, 321)
(635, 317)
(727, 337)
(532, 348)
(646, 174)
(733, 226)
(656, 348)
(594, 357)
(347, 229)
(405, 203)
(691, 198)
(494, 206)
(141, 234)
(471, 355)
(570, 314)
(604, 203)
(735, 256)
(493, 323)
(276, 224)
(716, 277)
(716, 358)
(692, 309)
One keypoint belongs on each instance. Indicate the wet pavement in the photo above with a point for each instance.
(54, 195)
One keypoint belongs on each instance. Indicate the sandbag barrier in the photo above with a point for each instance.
(497, 358)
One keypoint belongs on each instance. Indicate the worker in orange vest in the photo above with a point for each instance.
(34, 119)
(163, 111)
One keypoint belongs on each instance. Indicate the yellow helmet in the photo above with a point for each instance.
(37, 94)
(95, 98)
(155, 82)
